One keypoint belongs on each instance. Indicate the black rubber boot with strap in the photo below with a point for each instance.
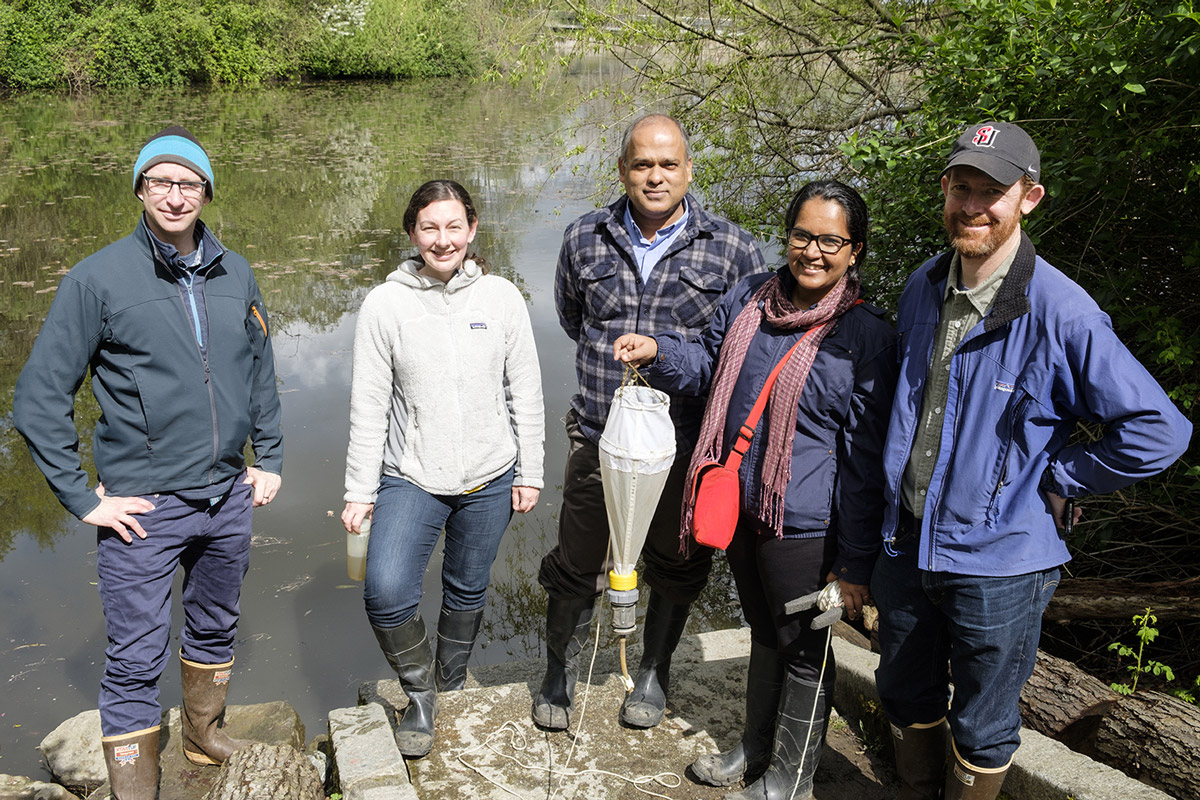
(409, 653)
(457, 631)
(568, 620)
(645, 705)
(750, 757)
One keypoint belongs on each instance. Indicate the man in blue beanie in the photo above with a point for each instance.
(173, 329)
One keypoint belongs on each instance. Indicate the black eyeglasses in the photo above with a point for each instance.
(160, 187)
(827, 243)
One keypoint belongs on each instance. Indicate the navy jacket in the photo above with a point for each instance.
(1044, 357)
(836, 484)
(171, 419)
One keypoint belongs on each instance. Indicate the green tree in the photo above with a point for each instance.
(781, 91)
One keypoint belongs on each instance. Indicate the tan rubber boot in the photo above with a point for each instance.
(132, 761)
(203, 712)
(967, 782)
(921, 759)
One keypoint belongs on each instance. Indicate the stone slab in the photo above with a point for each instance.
(369, 764)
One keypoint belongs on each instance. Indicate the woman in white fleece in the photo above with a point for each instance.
(446, 431)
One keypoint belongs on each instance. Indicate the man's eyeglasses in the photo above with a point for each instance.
(159, 187)
(827, 243)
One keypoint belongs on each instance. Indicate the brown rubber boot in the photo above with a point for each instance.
(921, 760)
(132, 761)
(967, 782)
(203, 712)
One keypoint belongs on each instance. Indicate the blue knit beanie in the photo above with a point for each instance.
(174, 145)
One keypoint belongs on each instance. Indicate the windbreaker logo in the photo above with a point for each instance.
(1001, 386)
(479, 326)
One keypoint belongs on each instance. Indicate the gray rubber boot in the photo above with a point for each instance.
(799, 739)
(750, 757)
(457, 631)
(567, 622)
(645, 705)
(407, 650)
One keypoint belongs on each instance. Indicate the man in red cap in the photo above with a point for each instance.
(1000, 355)
(173, 330)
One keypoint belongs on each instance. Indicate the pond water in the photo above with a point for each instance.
(311, 183)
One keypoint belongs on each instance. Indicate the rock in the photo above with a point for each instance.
(369, 764)
(18, 787)
(73, 754)
(262, 771)
(180, 779)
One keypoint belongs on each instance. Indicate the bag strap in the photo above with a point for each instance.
(734, 460)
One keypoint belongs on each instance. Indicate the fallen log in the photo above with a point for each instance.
(1155, 738)
(261, 771)
(1065, 703)
(1094, 598)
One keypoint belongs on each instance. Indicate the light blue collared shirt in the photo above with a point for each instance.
(648, 253)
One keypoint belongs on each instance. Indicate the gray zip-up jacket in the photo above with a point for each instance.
(172, 418)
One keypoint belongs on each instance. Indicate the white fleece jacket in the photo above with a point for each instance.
(446, 390)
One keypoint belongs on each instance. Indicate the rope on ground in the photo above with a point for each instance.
(518, 743)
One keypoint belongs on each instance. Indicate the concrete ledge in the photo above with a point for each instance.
(1043, 768)
(369, 764)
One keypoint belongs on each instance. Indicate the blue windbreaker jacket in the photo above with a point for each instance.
(836, 483)
(1044, 357)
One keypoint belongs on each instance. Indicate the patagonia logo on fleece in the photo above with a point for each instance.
(1001, 386)
(479, 326)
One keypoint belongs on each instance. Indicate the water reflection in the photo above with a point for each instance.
(311, 184)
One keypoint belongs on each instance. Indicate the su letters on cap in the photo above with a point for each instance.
(985, 136)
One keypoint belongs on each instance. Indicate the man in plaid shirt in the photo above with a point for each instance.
(652, 261)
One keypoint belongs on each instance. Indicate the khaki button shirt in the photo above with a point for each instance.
(962, 310)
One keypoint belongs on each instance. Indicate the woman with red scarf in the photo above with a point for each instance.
(812, 478)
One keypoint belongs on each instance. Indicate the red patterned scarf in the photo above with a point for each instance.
(778, 309)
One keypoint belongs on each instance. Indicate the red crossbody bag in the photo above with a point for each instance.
(717, 491)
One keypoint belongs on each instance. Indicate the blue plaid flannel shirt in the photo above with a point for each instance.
(600, 295)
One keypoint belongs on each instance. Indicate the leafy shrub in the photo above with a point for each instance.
(392, 39)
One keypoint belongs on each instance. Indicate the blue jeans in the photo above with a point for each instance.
(405, 526)
(982, 631)
(212, 543)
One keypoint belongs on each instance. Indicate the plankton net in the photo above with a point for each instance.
(637, 449)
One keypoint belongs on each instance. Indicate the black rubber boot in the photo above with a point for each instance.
(407, 649)
(567, 622)
(457, 631)
(921, 760)
(750, 757)
(644, 706)
(799, 739)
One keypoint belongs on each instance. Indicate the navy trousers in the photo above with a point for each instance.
(212, 544)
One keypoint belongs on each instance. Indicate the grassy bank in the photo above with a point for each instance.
(126, 43)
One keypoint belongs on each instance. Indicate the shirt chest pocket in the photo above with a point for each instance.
(600, 285)
(699, 291)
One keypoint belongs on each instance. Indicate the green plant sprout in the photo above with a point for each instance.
(1146, 633)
